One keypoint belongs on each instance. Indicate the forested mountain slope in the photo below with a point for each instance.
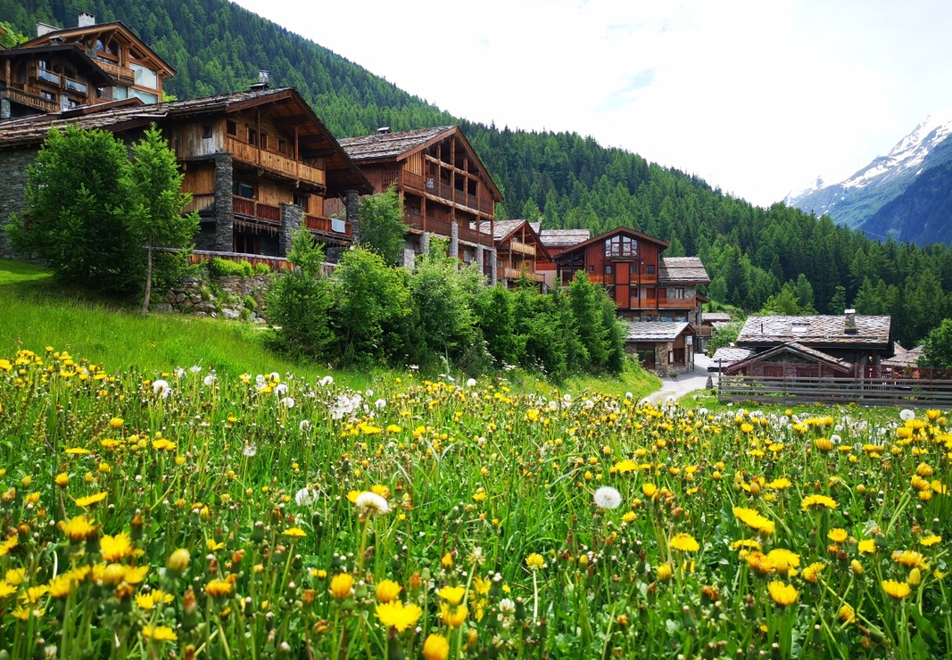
(571, 181)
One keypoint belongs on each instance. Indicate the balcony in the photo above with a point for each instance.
(677, 303)
(200, 202)
(21, 97)
(75, 86)
(444, 191)
(475, 236)
(521, 248)
(248, 153)
(251, 210)
(48, 76)
(324, 225)
(121, 74)
(506, 273)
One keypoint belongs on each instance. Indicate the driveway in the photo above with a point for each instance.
(684, 383)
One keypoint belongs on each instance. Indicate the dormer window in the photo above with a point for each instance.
(799, 327)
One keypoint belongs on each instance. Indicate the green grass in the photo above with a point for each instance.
(117, 337)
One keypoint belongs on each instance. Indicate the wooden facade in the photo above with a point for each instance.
(519, 252)
(134, 69)
(445, 189)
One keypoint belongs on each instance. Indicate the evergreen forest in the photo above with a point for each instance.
(754, 255)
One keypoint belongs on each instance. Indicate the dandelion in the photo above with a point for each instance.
(453, 616)
(867, 546)
(287, 402)
(325, 381)
(178, 561)
(77, 528)
(89, 500)
(153, 598)
(929, 541)
(837, 535)
(249, 450)
(847, 614)
(161, 388)
(452, 595)
(436, 647)
(342, 585)
(897, 590)
(907, 415)
(754, 520)
(910, 558)
(305, 425)
(607, 497)
(388, 590)
(817, 501)
(782, 594)
(397, 615)
(159, 633)
(664, 571)
(116, 422)
(305, 497)
(471, 382)
(217, 588)
(371, 503)
(295, 532)
(115, 548)
(535, 561)
(684, 543)
(812, 572)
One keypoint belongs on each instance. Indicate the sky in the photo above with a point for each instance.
(757, 97)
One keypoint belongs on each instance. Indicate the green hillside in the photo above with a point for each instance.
(569, 180)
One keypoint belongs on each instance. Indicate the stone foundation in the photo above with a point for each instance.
(216, 297)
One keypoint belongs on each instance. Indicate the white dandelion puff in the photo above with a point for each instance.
(607, 497)
(372, 504)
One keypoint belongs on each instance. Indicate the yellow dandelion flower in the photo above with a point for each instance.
(664, 571)
(453, 616)
(754, 520)
(116, 422)
(77, 451)
(436, 647)
(625, 466)
(397, 615)
(535, 561)
(867, 546)
(910, 558)
(745, 544)
(929, 541)
(838, 535)
(62, 479)
(217, 588)
(295, 532)
(783, 560)
(779, 484)
(388, 590)
(782, 594)
(847, 614)
(816, 501)
(684, 543)
(897, 590)
(342, 585)
(159, 633)
(452, 595)
(812, 572)
(89, 500)
(115, 548)
(6, 589)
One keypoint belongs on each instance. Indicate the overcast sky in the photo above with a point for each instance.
(758, 97)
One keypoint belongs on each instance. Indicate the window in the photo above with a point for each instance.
(677, 292)
(301, 201)
(652, 293)
(264, 140)
(621, 246)
(608, 270)
(243, 189)
(633, 269)
(146, 97)
(650, 269)
(252, 136)
(206, 131)
(145, 77)
(591, 269)
(231, 128)
(282, 146)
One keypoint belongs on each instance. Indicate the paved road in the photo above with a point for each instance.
(684, 383)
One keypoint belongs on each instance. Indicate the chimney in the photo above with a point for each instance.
(263, 77)
(85, 19)
(383, 130)
(45, 28)
(849, 326)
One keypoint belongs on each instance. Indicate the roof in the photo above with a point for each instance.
(95, 30)
(286, 102)
(729, 354)
(871, 331)
(504, 229)
(904, 358)
(383, 147)
(656, 330)
(682, 269)
(715, 317)
(93, 73)
(837, 364)
(564, 237)
(617, 230)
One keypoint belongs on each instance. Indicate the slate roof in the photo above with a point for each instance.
(502, 228)
(655, 330)
(379, 146)
(837, 364)
(564, 237)
(729, 354)
(904, 358)
(715, 317)
(688, 270)
(871, 331)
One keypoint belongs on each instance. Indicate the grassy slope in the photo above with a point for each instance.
(41, 314)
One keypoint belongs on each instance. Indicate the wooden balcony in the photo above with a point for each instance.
(445, 192)
(38, 102)
(201, 202)
(520, 247)
(474, 236)
(248, 153)
(252, 210)
(330, 226)
(514, 274)
(122, 75)
(677, 303)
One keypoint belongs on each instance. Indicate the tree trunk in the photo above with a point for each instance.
(148, 280)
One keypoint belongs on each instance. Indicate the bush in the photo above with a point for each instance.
(262, 268)
(222, 267)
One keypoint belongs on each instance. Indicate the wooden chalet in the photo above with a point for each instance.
(519, 252)
(135, 70)
(847, 345)
(645, 285)
(445, 188)
(663, 347)
(259, 164)
(557, 241)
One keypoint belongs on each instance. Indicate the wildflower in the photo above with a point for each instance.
(249, 450)
(436, 647)
(664, 571)
(915, 577)
(178, 561)
(453, 616)
(6, 589)
(811, 501)
(929, 541)
(452, 595)
(910, 558)
(153, 598)
(217, 588)
(607, 497)
(684, 543)
(779, 484)
(812, 572)
(305, 497)
(77, 451)
(857, 567)
(295, 532)
(342, 585)
(837, 535)
(897, 590)
(867, 546)
(387, 590)
(62, 479)
(114, 548)
(61, 586)
(161, 388)
(447, 560)
(782, 593)
(783, 560)
(847, 614)
(650, 490)
(397, 615)
(625, 466)
(746, 544)
(159, 633)
(907, 415)
(371, 503)
(535, 561)
(754, 520)
(77, 528)
(89, 500)
(116, 422)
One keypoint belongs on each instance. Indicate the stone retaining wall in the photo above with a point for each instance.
(216, 297)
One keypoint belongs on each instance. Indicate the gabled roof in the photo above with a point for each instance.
(674, 270)
(657, 330)
(871, 331)
(712, 317)
(287, 105)
(93, 31)
(503, 230)
(608, 234)
(794, 348)
(564, 237)
(385, 147)
(904, 358)
(726, 355)
(85, 65)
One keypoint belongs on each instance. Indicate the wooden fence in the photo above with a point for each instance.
(882, 391)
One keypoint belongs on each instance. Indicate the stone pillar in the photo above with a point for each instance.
(409, 259)
(661, 359)
(224, 210)
(479, 259)
(292, 217)
(425, 243)
(454, 240)
(5, 110)
(492, 266)
(13, 181)
(351, 204)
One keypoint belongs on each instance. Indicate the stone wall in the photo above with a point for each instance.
(216, 297)
(13, 179)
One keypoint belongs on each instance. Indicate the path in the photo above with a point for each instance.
(684, 383)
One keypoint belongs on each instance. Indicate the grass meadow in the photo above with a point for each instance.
(168, 510)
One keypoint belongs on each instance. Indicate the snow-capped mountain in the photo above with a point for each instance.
(854, 201)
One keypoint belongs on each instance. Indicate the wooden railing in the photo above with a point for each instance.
(37, 102)
(249, 208)
(506, 273)
(328, 225)
(274, 263)
(200, 202)
(249, 153)
(522, 248)
(677, 303)
(474, 236)
(883, 391)
(120, 73)
(435, 187)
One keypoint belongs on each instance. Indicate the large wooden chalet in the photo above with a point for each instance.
(645, 285)
(445, 188)
(259, 164)
(557, 241)
(519, 252)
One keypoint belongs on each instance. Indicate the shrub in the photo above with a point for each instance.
(262, 268)
(222, 267)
